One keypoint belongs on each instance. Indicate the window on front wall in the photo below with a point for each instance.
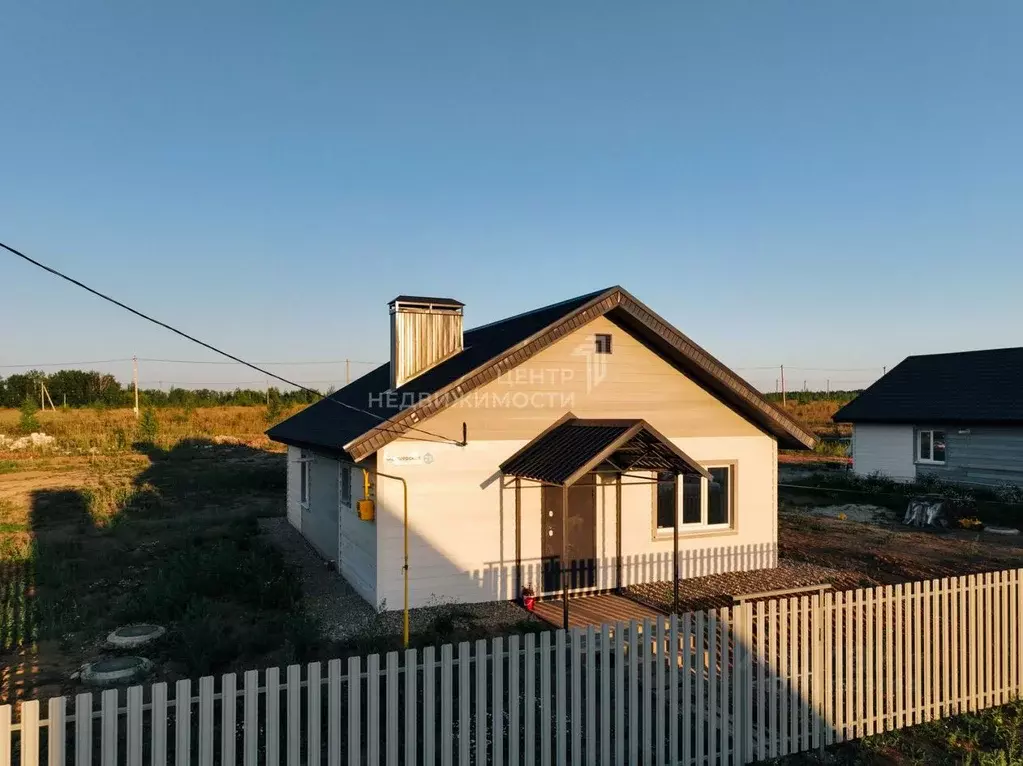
(346, 485)
(930, 446)
(701, 503)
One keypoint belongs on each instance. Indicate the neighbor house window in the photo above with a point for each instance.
(603, 344)
(304, 467)
(700, 503)
(346, 485)
(930, 446)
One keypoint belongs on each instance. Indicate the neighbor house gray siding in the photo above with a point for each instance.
(978, 455)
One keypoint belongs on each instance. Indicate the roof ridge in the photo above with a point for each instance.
(544, 308)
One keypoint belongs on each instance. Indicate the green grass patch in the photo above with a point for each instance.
(8, 466)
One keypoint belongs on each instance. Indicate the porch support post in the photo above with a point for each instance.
(564, 556)
(518, 541)
(674, 531)
(618, 529)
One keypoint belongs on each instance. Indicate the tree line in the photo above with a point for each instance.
(88, 388)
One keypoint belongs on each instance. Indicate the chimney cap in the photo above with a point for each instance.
(426, 301)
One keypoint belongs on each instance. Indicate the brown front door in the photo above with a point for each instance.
(581, 529)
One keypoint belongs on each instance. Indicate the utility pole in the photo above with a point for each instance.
(268, 393)
(348, 371)
(42, 401)
(828, 387)
(783, 385)
(135, 381)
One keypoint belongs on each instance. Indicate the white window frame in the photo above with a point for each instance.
(344, 471)
(702, 525)
(917, 451)
(305, 483)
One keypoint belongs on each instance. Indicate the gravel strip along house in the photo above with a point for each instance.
(580, 447)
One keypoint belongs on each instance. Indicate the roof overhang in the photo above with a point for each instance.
(572, 447)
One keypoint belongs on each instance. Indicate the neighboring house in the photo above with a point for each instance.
(955, 416)
(592, 421)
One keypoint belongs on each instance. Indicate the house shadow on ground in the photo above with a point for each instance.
(173, 540)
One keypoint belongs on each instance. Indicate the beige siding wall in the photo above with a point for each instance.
(631, 382)
(462, 531)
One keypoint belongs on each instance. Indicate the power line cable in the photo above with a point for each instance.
(216, 350)
(282, 364)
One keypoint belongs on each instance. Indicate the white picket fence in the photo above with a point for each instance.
(724, 686)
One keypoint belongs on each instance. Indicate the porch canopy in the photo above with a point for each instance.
(573, 447)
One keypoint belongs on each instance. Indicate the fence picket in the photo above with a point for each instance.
(514, 722)
(700, 668)
(228, 716)
(773, 636)
(480, 669)
(411, 705)
(391, 703)
(5, 735)
(206, 721)
(958, 660)
(660, 736)
(713, 676)
(928, 642)
(30, 731)
(605, 693)
(574, 724)
(945, 635)
(545, 699)
(314, 713)
(687, 689)
(760, 639)
(870, 665)
(56, 715)
(250, 711)
(647, 686)
(183, 723)
(591, 695)
(373, 710)
(782, 688)
(806, 697)
(157, 725)
(975, 639)
(561, 697)
(797, 688)
(529, 701)
(633, 681)
(1004, 649)
(989, 641)
(620, 696)
(725, 718)
(429, 697)
(293, 714)
(672, 690)
(496, 702)
(355, 748)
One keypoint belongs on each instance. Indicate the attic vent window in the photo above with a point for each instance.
(602, 344)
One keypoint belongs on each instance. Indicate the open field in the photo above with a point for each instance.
(115, 430)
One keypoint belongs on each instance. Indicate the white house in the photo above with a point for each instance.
(956, 417)
(564, 448)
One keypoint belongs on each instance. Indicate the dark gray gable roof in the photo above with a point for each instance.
(492, 350)
(328, 427)
(963, 387)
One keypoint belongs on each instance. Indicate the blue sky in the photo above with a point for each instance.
(820, 184)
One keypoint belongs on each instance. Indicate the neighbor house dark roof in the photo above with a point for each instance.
(364, 416)
(963, 387)
(573, 447)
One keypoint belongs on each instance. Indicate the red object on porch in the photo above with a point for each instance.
(529, 602)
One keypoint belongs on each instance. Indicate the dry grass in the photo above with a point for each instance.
(817, 415)
(115, 430)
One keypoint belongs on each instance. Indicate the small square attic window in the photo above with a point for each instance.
(602, 344)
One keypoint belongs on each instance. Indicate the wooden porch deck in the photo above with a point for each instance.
(596, 610)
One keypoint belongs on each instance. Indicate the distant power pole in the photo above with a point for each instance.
(268, 393)
(348, 371)
(884, 370)
(828, 386)
(783, 385)
(135, 381)
(42, 401)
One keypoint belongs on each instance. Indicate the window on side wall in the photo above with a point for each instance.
(700, 503)
(346, 485)
(304, 463)
(930, 446)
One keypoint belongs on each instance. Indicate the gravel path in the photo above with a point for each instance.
(345, 616)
